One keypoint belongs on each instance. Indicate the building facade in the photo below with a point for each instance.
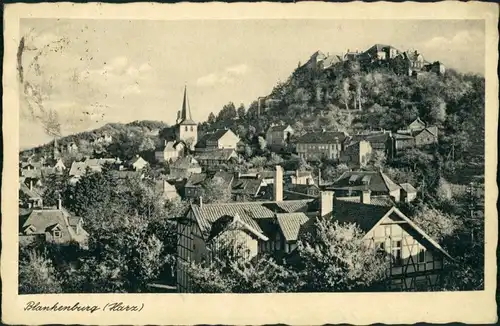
(318, 145)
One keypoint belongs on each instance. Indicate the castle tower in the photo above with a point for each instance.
(187, 129)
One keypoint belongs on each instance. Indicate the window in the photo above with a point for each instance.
(396, 253)
(387, 230)
(421, 256)
(57, 234)
(191, 128)
(381, 246)
(186, 128)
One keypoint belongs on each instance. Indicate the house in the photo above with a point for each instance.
(137, 163)
(402, 141)
(408, 192)
(104, 139)
(78, 169)
(353, 183)
(351, 55)
(184, 167)
(300, 177)
(311, 190)
(33, 176)
(170, 152)
(275, 227)
(279, 135)
(167, 190)
(426, 136)
(219, 139)
(379, 140)
(193, 188)
(416, 125)
(357, 154)
(212, 159)
(55, 225)
(29, 196)
(379, 52)
(248, 188)
(436, 67)
(314, 60)
(330, 61)
(317, 145)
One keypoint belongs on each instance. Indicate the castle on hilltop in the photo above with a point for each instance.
(411, 63)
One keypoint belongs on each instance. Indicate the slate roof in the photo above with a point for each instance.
(376, 181)
(372, 138)
(77, 169)
(374, 200)
(325, 137)
(196, 179)
(32, 194)
(32, 174)
(289, 206)
(219, 154)
(44, 220)
(278, 128)
(290, 224)
(246, 186)
(185, 162)
(408, 188)
(225, 176)
(365, 216)
(398, 136)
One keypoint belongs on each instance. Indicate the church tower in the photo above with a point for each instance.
(186, 129)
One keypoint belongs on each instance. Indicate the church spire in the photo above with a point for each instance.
(185, 114)
(186, 111)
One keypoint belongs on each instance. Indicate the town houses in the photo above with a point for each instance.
(269, 189)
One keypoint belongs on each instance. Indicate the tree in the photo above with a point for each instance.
(262, 143)
(227, 113)
(241, 111)
(435, 223)
(37, 274)
(54, 188)
(211, 118)
(378, 160)
(334, 258)
(231, 271)
(215, 190)
(258, 161)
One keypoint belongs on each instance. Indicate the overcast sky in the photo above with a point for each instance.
(121, 71)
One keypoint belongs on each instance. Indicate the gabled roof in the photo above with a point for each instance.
(136, 159)
(225, 176)
(32, 174)
(212, 137)
(78, 169)
(246, 186)
(359, 180)
(290, 224)
(185, 162)
(399, 136)
(325, 137)
(372, 138)
(277, 128)
(233, 222)
(32, 194)
(408, 188)
(218, 154)
(374, 200)
(42, 220)
(196, 179)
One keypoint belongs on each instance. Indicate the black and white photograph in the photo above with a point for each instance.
(251, 156)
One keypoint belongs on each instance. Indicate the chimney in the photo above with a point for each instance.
(278, 184)
(319, 177)
(327, 198)
(365, 196)
(201, 201)
(31, 184)
(237, 174)
(59, 203)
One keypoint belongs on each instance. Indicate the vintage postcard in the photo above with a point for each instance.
(259, 163)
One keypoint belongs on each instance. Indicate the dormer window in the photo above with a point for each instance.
(57, 234)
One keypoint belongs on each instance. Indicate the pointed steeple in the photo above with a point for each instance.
(185, 116)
